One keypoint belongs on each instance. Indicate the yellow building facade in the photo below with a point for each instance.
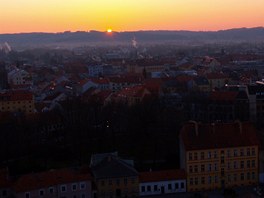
(117, 187)
(222, 166)
(17, 101)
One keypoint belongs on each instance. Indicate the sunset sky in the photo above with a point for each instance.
(128, 15)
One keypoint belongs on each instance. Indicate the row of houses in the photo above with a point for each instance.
(212, 156)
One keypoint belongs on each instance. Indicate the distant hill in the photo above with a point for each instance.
(71, 39)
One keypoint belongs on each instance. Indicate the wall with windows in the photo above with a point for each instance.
(162, 187)
(221, 168)
(70, 190)
(117, 187)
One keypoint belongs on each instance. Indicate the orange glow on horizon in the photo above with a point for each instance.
(130, 15)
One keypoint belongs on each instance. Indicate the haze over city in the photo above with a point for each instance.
(131, 98)
(81, 15)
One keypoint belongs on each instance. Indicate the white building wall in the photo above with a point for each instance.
(163, 187)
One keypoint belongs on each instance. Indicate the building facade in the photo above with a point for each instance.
(162, 182)
(67, 183)
(17, 101)
(114, 177)
(219, 155)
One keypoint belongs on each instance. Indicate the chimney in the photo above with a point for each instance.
(213, 128)
(240, 125)
(195, 125)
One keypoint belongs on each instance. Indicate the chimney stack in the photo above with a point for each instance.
(196, 126)
(240, 125)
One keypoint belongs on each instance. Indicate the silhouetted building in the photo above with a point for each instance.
(219, 155)
(3, 76)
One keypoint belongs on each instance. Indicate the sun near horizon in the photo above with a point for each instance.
(109, 30)
(19, 16)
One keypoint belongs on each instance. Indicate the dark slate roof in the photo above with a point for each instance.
(113, 167)
(98, 158)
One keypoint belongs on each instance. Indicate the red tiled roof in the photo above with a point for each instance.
(164, 175)
(17, 95)
(136, 91)
(218, 135)
(223, 95)
(153, 85)
(49, 178)
(184, 78)
(126, 79)
(100, 80)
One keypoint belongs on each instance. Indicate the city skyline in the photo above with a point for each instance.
(58, 16)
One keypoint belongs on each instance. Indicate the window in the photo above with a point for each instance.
(242, 164)
(215, 154)
(196, 181)
(195, 156)
(235, 164)
(169, 186)
(190, 156)
(215, 167)
(82, 185)
(176, 186)
(110, 182)
(248, 176)
(235, 153)
(242, 152)
(125, 181)
(242, 176)
(148, 188)
(41, 192)
(155, 187)
(209, 154)
(191, 181)
(228, 165)
(83, 196)
(216, 179)
(209, 167)
(202, 180)
(190, 169)
(27, 195)
(253, 163)
(202, 155)
(222, 172)
(74, 187)
(182, 185)
(235, 177)
(253, 152)
(248, 151)
(63, 188)
(253, 175)
(143, 189)
(196, 168)
(229, 178)
(228, 153)
(202, 168)
(51, 190)
(209, 179)
(102, 183)
(248, 163)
